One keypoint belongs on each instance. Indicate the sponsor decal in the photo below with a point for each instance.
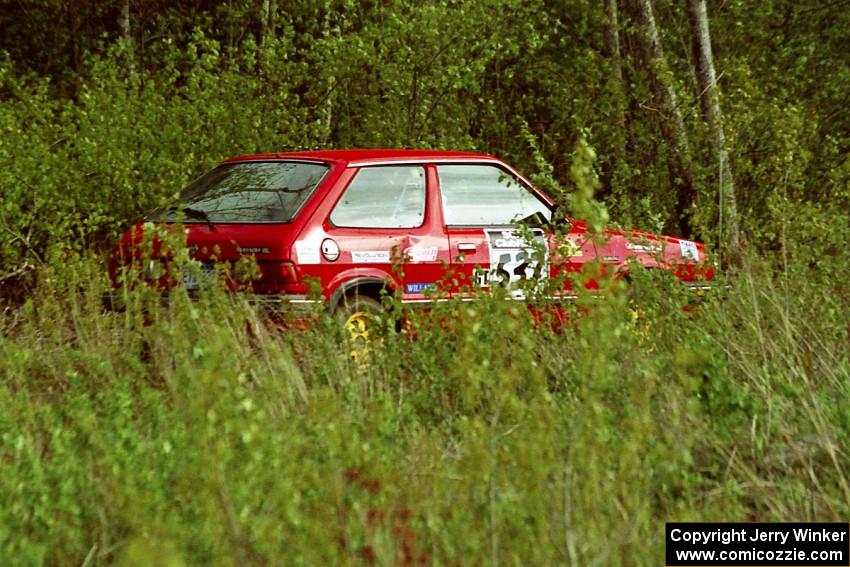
(689, 250)
(644, 248)
(506, 239)
(421, 254)
(371, 257)
(514, 257)
(254, 250)
(308, 252)
(610, 259)
(419, 287)
(571, 249)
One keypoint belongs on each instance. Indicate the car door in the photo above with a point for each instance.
(387, 224)
(482, 203)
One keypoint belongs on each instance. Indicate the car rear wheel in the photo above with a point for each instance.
(357, 314)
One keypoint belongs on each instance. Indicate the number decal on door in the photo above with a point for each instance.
(514, 257)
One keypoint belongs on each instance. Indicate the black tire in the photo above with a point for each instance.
(355, 303)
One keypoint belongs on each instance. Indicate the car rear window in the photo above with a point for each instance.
(248, 192)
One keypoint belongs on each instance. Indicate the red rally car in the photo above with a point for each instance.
(349, 218)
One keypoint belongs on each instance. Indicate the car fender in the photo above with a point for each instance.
(345, 281)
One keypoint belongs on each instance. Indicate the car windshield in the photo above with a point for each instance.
(256, 191)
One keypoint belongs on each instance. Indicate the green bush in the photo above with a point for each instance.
(203, 432)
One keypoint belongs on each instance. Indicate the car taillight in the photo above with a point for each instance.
(280, 272)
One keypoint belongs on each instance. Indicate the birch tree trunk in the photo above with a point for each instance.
(267, 21)
(672, 124)
(710, 106)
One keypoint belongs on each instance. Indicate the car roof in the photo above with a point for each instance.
(363, 157)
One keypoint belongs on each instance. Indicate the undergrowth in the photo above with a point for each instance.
(206, 432)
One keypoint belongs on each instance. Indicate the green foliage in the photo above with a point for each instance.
(78, 172)
(208, 433)
(94, 135)
(203, 432)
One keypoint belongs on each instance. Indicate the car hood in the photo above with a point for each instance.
(623, 247)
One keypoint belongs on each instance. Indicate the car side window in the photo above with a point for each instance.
(383, 197)
(485, 195)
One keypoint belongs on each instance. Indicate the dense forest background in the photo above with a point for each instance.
(206, 432)
(107, 107)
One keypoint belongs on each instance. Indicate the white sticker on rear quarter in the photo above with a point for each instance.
(370, 257)
(689, 250)
(421, 254)
(308, 253)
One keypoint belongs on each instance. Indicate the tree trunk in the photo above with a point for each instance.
(612, 41)
(272, 29)
(74, 29)
(265, 21)
(672, 124)
(710, 106)
(329, 97)
(126, 34)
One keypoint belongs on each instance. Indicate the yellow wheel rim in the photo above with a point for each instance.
(357, 325)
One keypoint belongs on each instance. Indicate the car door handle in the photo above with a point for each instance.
(466, 247)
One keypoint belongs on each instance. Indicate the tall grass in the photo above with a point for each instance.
(206, 433)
